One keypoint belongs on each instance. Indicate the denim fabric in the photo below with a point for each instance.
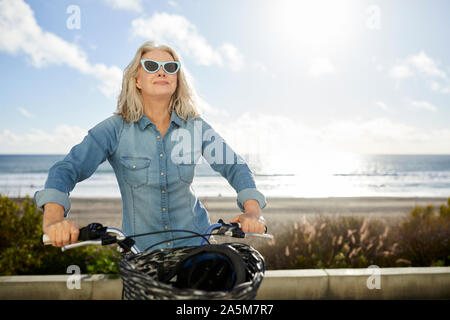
(154, 174)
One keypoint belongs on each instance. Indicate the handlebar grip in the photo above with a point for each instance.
(90, 232)
(84, 235)
(240, 227)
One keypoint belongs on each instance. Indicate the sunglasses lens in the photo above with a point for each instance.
(151, 66)
(171, 67)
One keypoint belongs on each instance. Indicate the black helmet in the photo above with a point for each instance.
(214, 267)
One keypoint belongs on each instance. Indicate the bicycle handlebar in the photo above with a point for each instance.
(97, 234)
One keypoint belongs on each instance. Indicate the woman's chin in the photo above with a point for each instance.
(160, 93)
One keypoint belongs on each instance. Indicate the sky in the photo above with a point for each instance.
(283, 79)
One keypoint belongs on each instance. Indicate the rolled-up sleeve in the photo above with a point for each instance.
(81, 162)
(52, 195)
(250, 193)
(231, 166)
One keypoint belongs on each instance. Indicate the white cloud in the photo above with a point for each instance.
(401, 71)
(59, 141)
(110, 79)
(20, 33)
(25, 113)
(234, 58)
(422, 64)
(419, 62)
(424, 105)
(438, 87)
(173, 4)
(132, 5)
(321, 66)
(425, 64)
(171, 28)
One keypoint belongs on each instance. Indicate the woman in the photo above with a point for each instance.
(155, 122)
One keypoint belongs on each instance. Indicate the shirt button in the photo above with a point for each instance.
(158, 137)
(162, 173)
(134, 167)
(164, 209)
(166, 227)
(168, 243)
(160, 155)
(163, 191)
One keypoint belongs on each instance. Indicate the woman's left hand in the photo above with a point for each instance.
(250, 223)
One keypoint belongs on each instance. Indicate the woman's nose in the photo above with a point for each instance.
(161, 72)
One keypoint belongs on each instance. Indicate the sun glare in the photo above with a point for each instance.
(313, 24)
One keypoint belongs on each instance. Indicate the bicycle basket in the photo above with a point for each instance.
(145, 275)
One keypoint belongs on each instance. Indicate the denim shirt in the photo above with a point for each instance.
(154, 174)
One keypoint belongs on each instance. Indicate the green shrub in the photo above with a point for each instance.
(21, 251)
(424, 237)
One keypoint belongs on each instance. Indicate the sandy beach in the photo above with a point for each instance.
(278, 212)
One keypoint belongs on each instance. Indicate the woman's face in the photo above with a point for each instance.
(160, 83)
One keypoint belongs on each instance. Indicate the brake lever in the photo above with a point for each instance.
(236, 231)
(259, 235)
(92, 231)
(104, 240)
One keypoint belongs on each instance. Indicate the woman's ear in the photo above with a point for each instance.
(138, 85)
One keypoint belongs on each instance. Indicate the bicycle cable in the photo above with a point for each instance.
(179, 238)
(196, 234)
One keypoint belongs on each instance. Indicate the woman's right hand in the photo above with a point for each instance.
(60, 231)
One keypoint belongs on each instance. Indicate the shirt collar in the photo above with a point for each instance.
(144, 121)
(175, 118)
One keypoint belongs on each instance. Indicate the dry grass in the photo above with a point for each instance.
(420, 239)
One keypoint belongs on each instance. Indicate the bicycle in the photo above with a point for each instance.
(183, 272)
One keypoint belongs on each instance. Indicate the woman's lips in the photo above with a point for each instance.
(160, 82)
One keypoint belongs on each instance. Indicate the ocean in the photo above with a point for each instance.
(363, 175)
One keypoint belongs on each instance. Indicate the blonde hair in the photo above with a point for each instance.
(130, 104)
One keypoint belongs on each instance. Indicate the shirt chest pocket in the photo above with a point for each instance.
(135, 170)
(186, 172)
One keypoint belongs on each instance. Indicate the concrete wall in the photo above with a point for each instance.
(393, 283)
(54, 287)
